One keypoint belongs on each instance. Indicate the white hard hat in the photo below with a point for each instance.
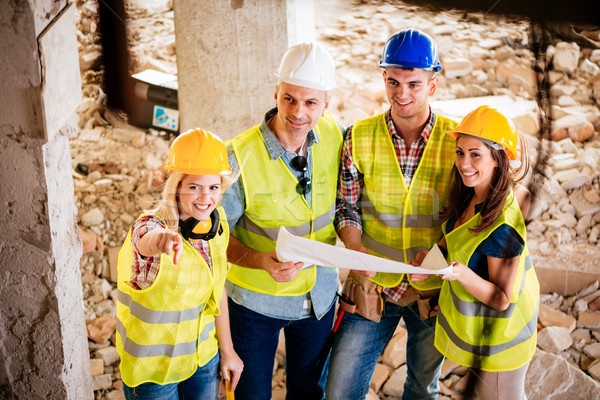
(308, 65)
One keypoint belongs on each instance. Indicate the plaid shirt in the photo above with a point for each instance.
(145, 269)
(350, 182)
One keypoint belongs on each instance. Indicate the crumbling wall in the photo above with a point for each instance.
(43, 353)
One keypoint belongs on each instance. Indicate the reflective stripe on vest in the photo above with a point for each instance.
(158, 317)
(320, 222)
(165, 331)
(479, 309)
(524, 334)
(168, 350)
(390, 252)
(272, 202)
(473, 334)
(400, 221)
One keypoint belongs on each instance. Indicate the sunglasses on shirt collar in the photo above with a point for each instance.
(300, 164)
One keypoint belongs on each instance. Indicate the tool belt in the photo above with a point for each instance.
(369, 298)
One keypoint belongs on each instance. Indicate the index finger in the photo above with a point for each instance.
(177, 251)
(168, 247)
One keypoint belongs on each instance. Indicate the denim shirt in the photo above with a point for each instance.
(322, 296)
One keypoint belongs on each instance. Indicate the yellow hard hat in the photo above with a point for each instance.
(198, 152)
(490, 124)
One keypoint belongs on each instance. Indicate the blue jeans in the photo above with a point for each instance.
(255, 337)
(203, 385)
(360, 342)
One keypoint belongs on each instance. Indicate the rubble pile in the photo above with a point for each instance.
(117, 168)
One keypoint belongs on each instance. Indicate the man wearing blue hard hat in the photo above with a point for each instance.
(394, 172)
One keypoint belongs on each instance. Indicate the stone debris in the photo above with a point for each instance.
(102, 328)
(115, 395)
(108, 355)
(548, 316)
(592, 351)
(566, 57)
(554, 339)
(102, 382)
(117, 168)
(380, 376)
(589, 292)
(90, 241)
(97, 366)
(589, 320)
(552, 377)
(594, 369)
(395, 384)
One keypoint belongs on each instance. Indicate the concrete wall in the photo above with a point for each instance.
(43, 346)
(227, 55)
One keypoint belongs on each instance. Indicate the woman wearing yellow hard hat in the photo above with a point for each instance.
(172, 315)
(488, 305)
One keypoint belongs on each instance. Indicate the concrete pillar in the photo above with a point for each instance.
(43, 342)
(227, 55)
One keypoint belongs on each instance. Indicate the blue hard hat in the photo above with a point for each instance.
(410, 48)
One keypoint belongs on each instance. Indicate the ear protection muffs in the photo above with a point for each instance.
(194, 230)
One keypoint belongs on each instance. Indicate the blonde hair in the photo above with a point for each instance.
(168, 208)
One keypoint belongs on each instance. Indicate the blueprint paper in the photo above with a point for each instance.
(298, 249)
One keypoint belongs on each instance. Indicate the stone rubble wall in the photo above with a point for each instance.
(117, 168)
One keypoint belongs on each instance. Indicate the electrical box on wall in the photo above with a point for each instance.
(156, 101)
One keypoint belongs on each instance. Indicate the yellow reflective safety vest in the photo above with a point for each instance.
(400, 221)
(166, 331)
(272, 202)
(473, 334)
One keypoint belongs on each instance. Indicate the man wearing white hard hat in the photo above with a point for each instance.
(288, 167)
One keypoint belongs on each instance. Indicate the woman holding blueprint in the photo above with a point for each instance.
(489, 302)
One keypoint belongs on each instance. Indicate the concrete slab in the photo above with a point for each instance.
(561, 281)
(61, 81)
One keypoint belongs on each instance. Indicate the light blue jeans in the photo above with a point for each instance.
(203, 385)
(360, 342)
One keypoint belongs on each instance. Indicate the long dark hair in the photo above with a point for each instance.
(460, 195)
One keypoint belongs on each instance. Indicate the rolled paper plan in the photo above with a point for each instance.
(298, 249)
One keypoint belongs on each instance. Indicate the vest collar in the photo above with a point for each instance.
(426, 130)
